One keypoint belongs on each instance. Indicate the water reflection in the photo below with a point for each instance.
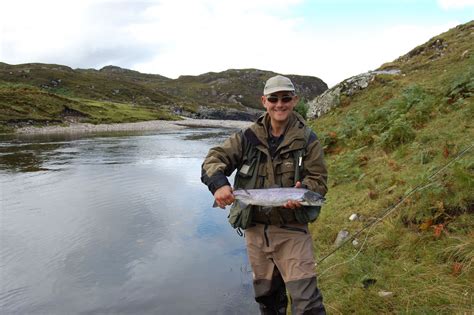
(25, 157)
(124, 227)
(206, 135)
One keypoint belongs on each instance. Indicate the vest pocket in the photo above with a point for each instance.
(247, 169)
(286, 173)
(240, 216)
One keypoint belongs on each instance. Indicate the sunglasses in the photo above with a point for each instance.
(284, 98)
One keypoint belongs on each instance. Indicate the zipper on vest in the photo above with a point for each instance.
(266, 236)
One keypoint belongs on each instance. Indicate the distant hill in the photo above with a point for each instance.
(107, 95)
(242, 86)
(402, 133)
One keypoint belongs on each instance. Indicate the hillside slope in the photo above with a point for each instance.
(122, 95)
(381, 143)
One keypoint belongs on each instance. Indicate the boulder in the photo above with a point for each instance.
(341, 237)
(331, 98)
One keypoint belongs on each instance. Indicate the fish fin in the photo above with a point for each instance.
(237, 202)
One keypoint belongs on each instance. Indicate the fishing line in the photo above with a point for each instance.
(387, 211)
(349, 260)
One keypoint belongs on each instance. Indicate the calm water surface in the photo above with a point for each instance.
(116, 224)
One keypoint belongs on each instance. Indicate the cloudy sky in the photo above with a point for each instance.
(330, 39)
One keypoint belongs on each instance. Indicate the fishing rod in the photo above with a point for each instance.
(390, 209)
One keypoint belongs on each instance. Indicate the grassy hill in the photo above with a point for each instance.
(237, 85)
(380, 144)
(46, 93)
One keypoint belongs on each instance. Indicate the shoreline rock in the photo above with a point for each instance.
(152, 125)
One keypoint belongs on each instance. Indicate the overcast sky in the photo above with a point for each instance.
(330, 39)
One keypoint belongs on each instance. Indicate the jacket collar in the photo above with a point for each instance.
(293, 134)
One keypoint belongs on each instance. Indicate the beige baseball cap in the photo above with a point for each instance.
(278, 83)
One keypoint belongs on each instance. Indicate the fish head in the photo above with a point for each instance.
(313, 198)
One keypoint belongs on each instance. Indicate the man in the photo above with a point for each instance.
(277, 150)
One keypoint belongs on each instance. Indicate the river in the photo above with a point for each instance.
(116, 223)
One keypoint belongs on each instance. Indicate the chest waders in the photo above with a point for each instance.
(240, 217)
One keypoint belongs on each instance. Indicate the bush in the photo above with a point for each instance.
(418, 104)
(366, 136)
(379, 120)
(400, 132)
(462, 87)
(351, 125)
(328, 139)
(302, 108)
(411, 96)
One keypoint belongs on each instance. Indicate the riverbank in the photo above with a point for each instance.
(152, 125)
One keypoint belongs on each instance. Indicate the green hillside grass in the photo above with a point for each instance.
(144, 96)
(20, 104)
(244, 85)
(380, 144)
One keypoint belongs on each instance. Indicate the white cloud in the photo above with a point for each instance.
(177, 37)
(455, 4)
(340, 54)
(214, 38)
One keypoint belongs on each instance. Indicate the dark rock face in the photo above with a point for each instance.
(435, 48)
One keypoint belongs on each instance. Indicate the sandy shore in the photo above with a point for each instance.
(158, 125)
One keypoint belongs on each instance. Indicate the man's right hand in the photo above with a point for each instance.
(224, 196)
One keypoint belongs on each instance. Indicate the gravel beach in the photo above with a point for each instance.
(152, 125)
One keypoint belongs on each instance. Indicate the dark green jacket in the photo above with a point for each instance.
(233, 154)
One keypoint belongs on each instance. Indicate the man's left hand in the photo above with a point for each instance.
(293, 204)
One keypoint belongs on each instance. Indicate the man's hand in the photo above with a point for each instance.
(224, 196)
(293, 204)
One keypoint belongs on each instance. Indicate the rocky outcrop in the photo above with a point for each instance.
(332, 98)
(226, 114)
(237, 86)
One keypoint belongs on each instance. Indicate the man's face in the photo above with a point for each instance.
(279, 105)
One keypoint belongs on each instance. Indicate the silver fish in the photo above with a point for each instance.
(277, 197)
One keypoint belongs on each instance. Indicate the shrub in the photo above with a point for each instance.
(400, 132)
(351, 125)
(379, 120)
(328, 139)
(418, 104)
(302, 108)
(462, 87)
(411, 96)
(366, 135)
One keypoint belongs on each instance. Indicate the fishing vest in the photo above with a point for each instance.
(247, 177)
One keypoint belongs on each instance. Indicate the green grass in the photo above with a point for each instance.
(382, 143)
(21, 103)
(231, 89)
(109, 112)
